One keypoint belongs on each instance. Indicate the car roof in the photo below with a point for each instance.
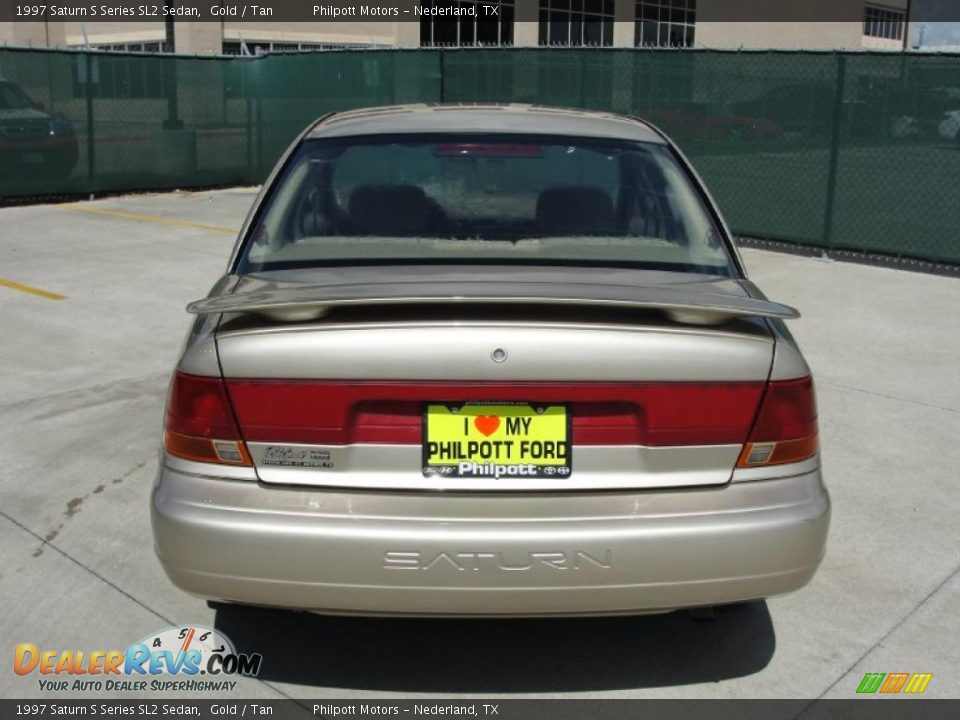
(492, 118)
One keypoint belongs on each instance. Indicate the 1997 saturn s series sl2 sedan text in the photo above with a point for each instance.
(488, 360)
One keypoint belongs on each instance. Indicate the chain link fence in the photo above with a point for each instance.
(853, 151)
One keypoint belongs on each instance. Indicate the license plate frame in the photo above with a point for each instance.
(527, 449)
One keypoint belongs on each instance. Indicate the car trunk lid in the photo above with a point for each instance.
(354, 396)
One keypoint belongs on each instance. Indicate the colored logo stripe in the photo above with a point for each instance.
(894, 683)
(918, 682)
(871, 682)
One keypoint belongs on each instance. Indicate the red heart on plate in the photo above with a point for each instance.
(487, 424)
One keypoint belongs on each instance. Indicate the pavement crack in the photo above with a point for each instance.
(46, 542)
(88, 396)
(73, 506)
(888, 397)
(120, 478)
(880, 641)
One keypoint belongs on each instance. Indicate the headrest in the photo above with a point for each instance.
(388, 210)
(575, 210)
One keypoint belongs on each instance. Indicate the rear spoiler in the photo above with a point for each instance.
(310, 302)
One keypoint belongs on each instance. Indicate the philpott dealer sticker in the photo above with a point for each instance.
(191, 658)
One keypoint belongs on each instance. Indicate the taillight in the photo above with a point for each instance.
(785, 430)
(324, 412)
(200, 424)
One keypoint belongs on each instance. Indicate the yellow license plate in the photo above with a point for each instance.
(479, 440)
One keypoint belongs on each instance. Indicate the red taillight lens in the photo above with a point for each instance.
(786, 427)
(200, 424)
(345, 412)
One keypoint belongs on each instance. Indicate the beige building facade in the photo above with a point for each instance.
(717, 24)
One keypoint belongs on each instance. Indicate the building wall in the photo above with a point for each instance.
(111, 33)
(875, 43)
(347, 33)
(40, 34)
(717, 26)
(526, 33)
(208, 37)
(780, 35)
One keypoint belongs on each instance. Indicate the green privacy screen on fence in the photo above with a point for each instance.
(858, 151)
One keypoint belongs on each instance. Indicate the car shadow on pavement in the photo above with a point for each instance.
(502, 656)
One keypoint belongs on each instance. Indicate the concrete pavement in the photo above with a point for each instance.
(82, 384)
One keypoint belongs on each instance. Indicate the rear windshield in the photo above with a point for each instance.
(484, 199)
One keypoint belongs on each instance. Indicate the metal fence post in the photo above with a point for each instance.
(172, 81)
(834, 152)
(443, 77)
(247, 95)
(259, 121)
(582, 69)
(89, 99)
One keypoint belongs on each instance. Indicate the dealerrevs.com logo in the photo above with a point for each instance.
(188, 658)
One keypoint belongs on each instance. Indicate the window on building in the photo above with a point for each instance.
(236, 47)
(881, 22)
(576, 22)
(121, 75)
(147, 47)
(665, 23)
(482, 27)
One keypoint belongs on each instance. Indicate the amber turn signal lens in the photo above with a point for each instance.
(222, 452)
(777, 453)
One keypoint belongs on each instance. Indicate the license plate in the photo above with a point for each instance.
(480, 440)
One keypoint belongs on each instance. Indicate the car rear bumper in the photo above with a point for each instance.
(411, 553)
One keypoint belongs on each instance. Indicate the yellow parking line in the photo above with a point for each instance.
(30, 289)
(150, 218)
